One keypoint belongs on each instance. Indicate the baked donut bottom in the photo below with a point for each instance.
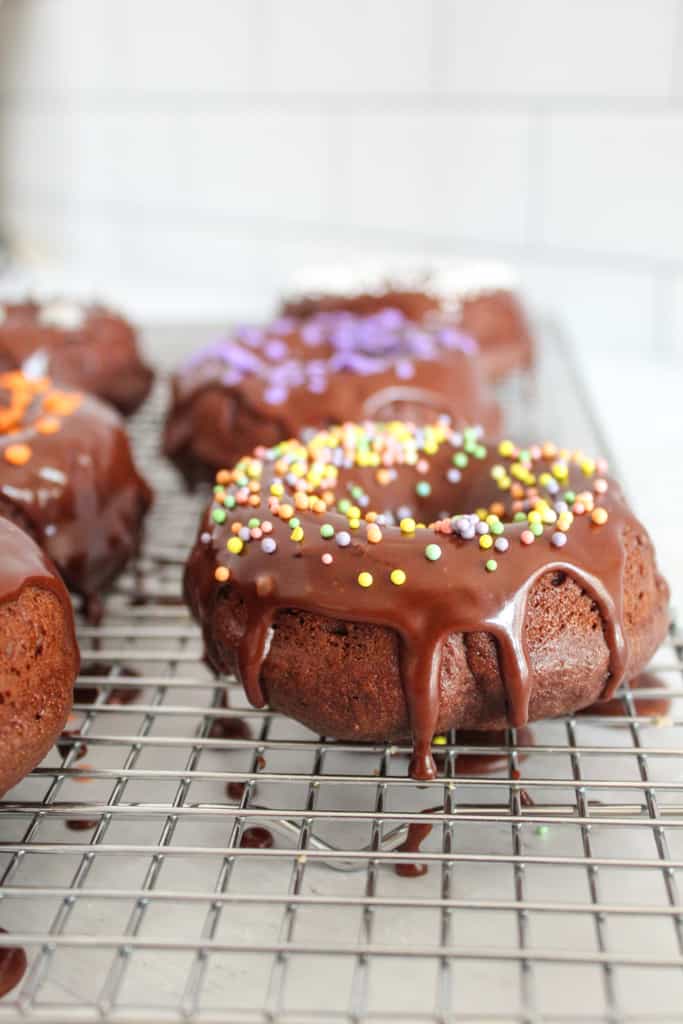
(342, 678)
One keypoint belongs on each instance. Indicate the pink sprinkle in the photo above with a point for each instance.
(527, 537)
(600, 486)
(578, 508)
(267, 526)
(242, 496)
(422, 466)
(446, 526)
(601, 465)
(326, 559)
(256, 533)
(535, 451)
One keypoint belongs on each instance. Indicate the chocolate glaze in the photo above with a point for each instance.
(418, 831)
(86, 347)
(453, 595)
(652, 707)
(79, 493)
(235, 790)
(493, 315)
(266, 383)
(13, 965)
(257, 838)
(81, 824)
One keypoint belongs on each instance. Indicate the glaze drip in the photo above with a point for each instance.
(285, 514)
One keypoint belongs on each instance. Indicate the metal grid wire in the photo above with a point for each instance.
(552, 890)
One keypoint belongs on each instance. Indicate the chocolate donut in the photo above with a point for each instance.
(85, 347)
(265, 383)
(38, 655)
(68, 478)
(333, 577)
(479, 298)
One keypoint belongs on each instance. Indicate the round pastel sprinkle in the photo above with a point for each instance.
(460, 460)
(222, 574)
(527, 537)
(235, 545)
(269, 545)
(374, 533)
(397, 577)
(326, 559)
(253, 523)
(423, 488)
(491, 565)
(343, 539)
(536, 529)
(486, 541)
(558, 539)
(599, 516)
(407, 525)
(294, 522)
(297, 534)
(219, 515)
(433, 552)
(501, 544)
(365, 579)
(327, 531)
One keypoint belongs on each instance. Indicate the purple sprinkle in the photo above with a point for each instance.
(312, 334)
(467, 534)
(558, 539)
(275, 349)
(552, 487)
(244, 533)
(501, 544)
(404, 369)
(453, 475)
(481, 527)
(561, 506)
(390, 318)
(268, 545)
(456, 439)
(275, 395)
(317, 385)
(343, 539)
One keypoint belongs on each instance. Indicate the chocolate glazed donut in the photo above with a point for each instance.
(536, 598)
(38, 655)
(67, 476)
(265, 383)
(89, 348)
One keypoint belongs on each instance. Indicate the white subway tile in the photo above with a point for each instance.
(125, 47)
(259, 164)
(543, 48)
(440, 174)
(612, 183)
(352, 47)
(602, 310)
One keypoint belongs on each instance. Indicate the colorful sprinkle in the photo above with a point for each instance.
(365, 579)
(268, 545)
(433, 552)
(327, 558)
(327, 531)
(235, 545)
(17, 454)
(599, 516)
(397, 577)
(343, 539)
(222, 574)
(491, 565)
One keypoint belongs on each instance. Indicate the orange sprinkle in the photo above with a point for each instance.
(48, 424)
(62, 403)
(599, 516)
(285, 511)
(82, 777)
(17, 454)
(223, 476)
(254, 500)
(222, 573)
(301, 500)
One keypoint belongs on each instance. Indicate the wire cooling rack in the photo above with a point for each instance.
(552, 889)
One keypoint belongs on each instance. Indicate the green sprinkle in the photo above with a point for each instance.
(423, 488)
(219, 515)
(470, 433)
(479, 451)
(570, 496)
(524, 455)
(491, 565)
(519, 517)
(460, 460)
(542, 830)
(294, 522)
(229, 501)
(344, 505)
(433, 552)
(496, 527)
(218, 489)
(327, 531)
(253, 523)
(536, 529)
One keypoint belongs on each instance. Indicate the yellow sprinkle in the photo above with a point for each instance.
(407, 525)
(354, 523)
(235, 545)
(506, 448)
(277, 489)
(297, 534)
(534, 516)
(365, 579)
(397, 577)
(439, 741)
(485, 541)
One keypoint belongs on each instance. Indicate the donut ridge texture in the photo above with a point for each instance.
(537, 597)
(39, 657)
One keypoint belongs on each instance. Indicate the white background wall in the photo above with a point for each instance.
(186, 156)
